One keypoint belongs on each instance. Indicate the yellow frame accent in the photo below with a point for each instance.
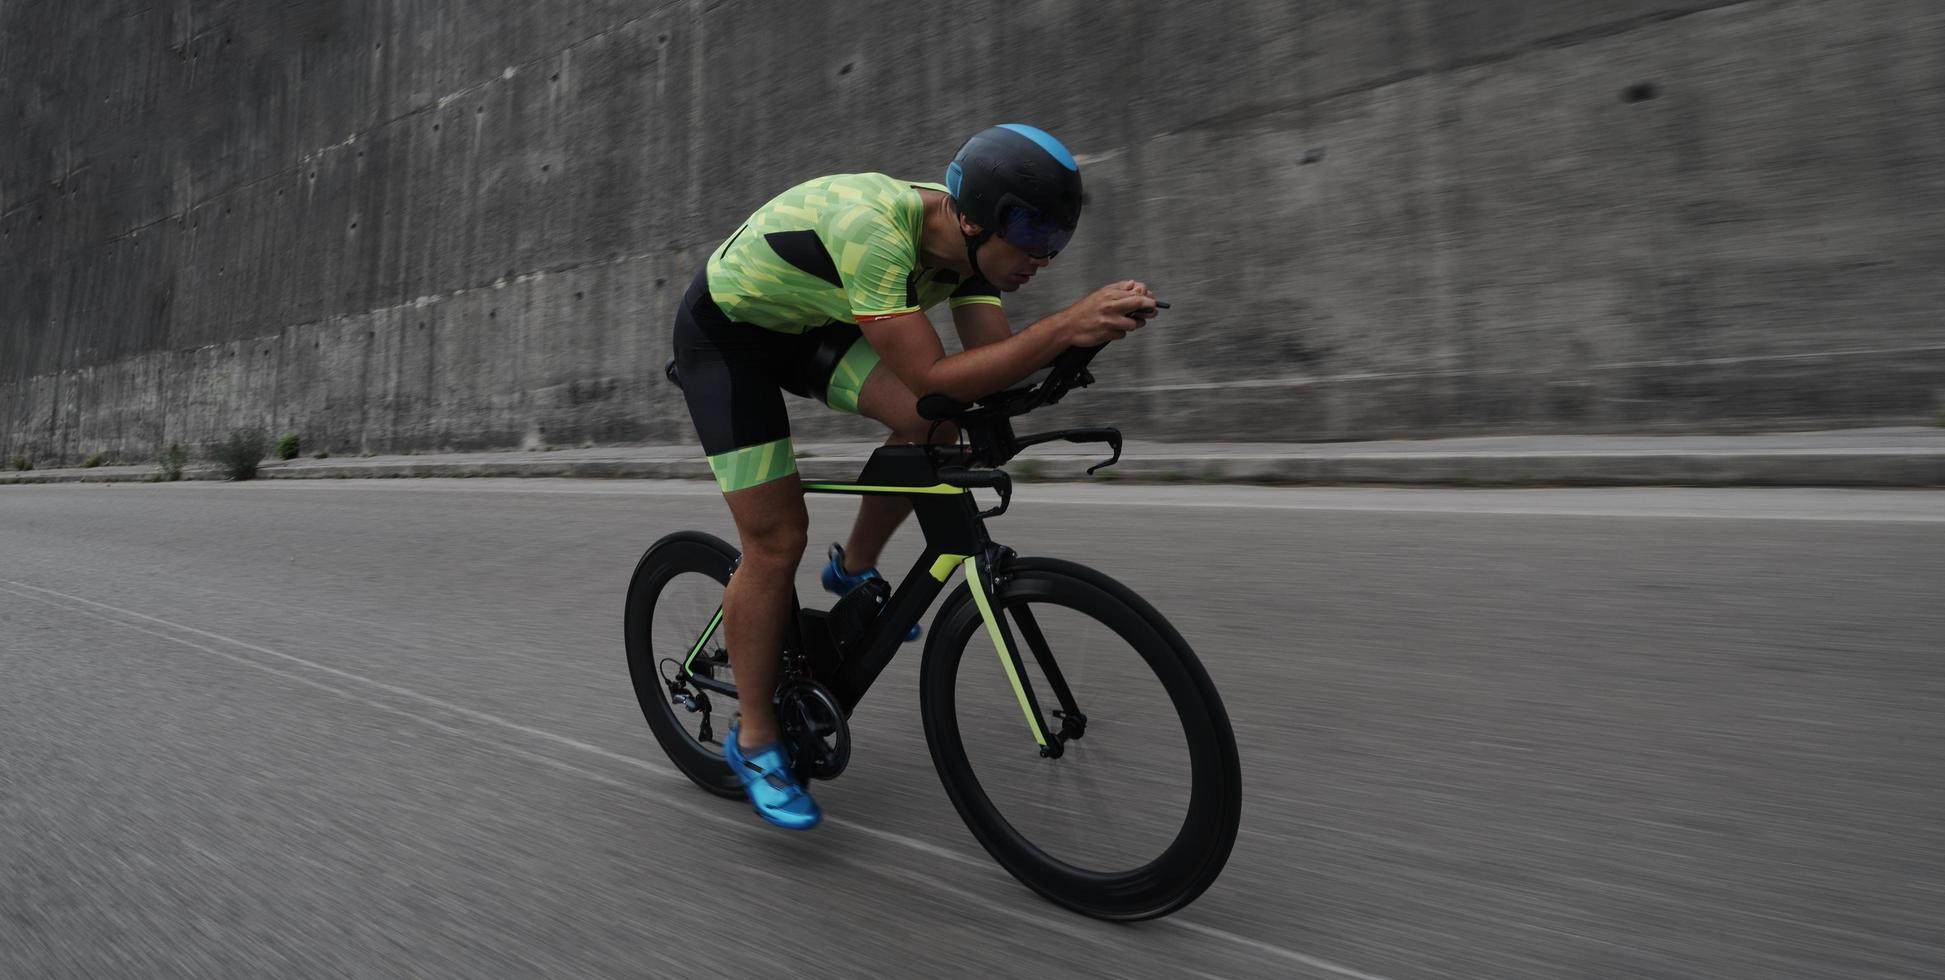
(703, 640)
(942, 569)
(945, 488)
(999, 643)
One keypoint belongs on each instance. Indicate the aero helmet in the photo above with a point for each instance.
(1019, 183)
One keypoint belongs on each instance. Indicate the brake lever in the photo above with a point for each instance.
(1106, 433)
(1005, 489)
(1114, 442)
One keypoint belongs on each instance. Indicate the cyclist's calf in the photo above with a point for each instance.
(774, 527)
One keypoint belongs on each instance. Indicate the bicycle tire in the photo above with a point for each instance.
(684, 552)
(1195, 857)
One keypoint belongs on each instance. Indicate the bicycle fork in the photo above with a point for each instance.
(985, 583)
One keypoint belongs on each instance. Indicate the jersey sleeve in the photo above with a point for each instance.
(975, 290)
(875, 260)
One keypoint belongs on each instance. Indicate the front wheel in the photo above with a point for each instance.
(1133, 813)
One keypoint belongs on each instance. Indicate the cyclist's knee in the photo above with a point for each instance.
(778, 541)
(772, 522)
(781, 546)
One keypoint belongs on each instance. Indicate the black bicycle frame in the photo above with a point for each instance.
(939, 481)
(955, 538)
(954, 532)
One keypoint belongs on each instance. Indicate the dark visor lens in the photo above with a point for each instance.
(1032, 233)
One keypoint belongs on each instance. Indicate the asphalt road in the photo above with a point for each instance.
(385, 729)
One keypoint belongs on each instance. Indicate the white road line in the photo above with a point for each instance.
(344, 693)
(403, 692)
(1277, 951)
(890, 837)
(692, 809)
(336, 616)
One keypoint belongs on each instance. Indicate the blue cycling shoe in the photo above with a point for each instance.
(837, 581)
(772, 787)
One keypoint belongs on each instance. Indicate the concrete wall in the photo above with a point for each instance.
(397, 224)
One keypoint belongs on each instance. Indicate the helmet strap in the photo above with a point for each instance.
(972, 251)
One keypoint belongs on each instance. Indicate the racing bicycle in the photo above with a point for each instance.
(1075, 731)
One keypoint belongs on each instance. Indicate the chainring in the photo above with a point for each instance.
(813, 726)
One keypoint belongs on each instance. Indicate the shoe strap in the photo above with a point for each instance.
(836, 555)
(759, 771)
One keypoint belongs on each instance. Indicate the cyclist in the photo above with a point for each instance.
(822, 293)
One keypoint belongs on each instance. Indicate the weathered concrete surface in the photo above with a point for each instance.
(423, 224)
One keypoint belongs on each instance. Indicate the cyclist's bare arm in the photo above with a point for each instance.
(979, 324)
(910, 347)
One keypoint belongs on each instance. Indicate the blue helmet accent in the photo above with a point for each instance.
(953, 176)
(1047, 142)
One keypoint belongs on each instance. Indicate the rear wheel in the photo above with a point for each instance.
(674, 632)
(1134, 814)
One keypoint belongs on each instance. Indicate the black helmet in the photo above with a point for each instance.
(1019, 183)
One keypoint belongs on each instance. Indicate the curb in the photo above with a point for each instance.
(1807, 468)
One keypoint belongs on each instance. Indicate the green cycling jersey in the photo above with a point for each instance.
(837, 249)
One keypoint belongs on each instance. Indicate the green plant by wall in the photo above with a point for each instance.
(240, 453)
(288, 447)
(20, 462)
(173, 460)
(93, 460)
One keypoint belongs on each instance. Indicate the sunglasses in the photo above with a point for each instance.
(1032, 232)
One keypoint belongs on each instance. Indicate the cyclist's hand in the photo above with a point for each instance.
(1109, 313)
